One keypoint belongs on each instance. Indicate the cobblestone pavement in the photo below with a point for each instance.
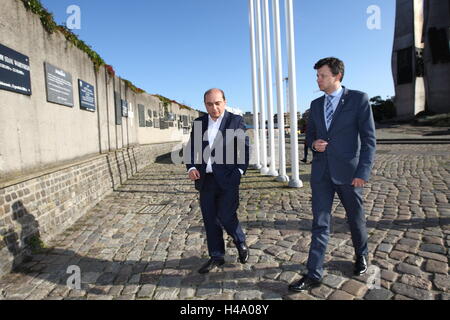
(146, 239)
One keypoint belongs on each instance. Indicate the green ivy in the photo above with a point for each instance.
(166, 102)
(132, 86)
(46, 17)
(50, 26)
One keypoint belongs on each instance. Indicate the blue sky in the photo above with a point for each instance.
(181, 48)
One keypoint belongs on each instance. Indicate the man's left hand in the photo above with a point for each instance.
(358, 183)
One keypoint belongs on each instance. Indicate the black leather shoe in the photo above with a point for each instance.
(304, 160)
(360, 265)
(211, 264)
(304, 283)
(243, 252)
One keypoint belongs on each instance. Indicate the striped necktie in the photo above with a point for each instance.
(329, 111)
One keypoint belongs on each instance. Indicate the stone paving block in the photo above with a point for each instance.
(248, 295)
(414, 260)
(355, 288)
(333, 281)
(436, 266)
(411, 292)
(378, 294)
(208, 289)
(389, 275)
(340, 295)
(384, 247)
(130, 289)
(433, 248)
(433, 240)
(442, 282)
(417, 282)
(166, 294)
(322, 292)
(434, 256)
(407, 268)
(401, 297)
(409, 242)
(299, 296)
(146, 291)
(398, 255)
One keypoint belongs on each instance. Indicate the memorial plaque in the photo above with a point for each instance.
(124, 104)
(141, 111)
(118, 108)
(14, 71)
(59, 85)
(185, 120)
(87, 96)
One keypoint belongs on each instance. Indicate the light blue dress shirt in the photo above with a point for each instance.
(335, 102)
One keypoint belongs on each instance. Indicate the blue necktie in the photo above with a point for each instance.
(329, 111)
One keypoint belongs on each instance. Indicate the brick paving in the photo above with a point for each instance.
(146, 239)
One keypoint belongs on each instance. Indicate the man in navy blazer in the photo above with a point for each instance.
(341, 133)
(219, 156)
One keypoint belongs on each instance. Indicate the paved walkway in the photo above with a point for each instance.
(146, 240)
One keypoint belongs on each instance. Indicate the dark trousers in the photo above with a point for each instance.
(219, 209)
(305, 151)
(322, 200)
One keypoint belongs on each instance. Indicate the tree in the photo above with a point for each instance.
(383, 109)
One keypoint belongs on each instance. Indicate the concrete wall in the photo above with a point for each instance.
(36, 134)
(437, 75)
(414, 19)
(409, 97)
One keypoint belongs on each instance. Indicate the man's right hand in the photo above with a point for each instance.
(320, 145)
(194, 175)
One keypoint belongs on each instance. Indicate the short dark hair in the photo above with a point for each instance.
(336, 66)
(211, 90)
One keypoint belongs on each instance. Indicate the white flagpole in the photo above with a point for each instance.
(272, 169)
(279, 78)
(256, 150)
(295, 181)
(264, 169)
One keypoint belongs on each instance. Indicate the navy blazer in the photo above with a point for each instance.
(230, 150)
(351, 138)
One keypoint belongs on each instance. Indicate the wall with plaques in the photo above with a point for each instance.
(67, 111)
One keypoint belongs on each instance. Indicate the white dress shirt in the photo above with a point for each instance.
(213, 129)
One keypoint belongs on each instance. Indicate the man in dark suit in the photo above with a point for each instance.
(341, 133)
(219, 155)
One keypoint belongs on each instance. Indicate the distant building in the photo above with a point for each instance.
(235, 111)
(421, 57)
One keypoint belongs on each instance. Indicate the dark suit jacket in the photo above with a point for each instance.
(230, 150)
(351, 138)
